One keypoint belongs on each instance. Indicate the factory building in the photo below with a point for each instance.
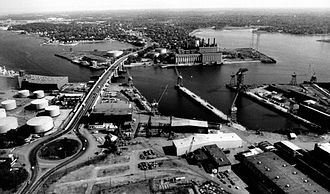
(211, 157)
(39, 82)
(188, 58)
(287, 148)
(268, 173)
(222, 140)
(112, 112)
(217, 157)
(206, 55)
(189, 126)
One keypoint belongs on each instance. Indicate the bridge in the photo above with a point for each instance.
(34, 183)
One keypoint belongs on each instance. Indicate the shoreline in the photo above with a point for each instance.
(255, 29)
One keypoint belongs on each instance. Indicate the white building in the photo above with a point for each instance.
(222, 140)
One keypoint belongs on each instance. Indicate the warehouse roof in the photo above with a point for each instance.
(45, 79)
(119, 107)
(189, 122)
(204, 138)
(286, 177)
(324, 146)
(290, 145)
(217, 155)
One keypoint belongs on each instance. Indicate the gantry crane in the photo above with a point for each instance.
(155, 103)
(239, 83)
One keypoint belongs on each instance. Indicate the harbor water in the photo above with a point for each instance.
(300, 54)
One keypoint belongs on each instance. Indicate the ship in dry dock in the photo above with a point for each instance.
(308, 102)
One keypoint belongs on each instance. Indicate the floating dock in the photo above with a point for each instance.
(203, 102)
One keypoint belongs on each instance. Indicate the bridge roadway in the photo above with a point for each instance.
(80, 110)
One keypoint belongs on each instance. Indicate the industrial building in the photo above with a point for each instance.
(209, 54)
(112, 112)
(217, 157)
(222, 140)
(39, 82)
(310, 163)
(271, 174)
(287, 148)
(189, 126)
(211, 157)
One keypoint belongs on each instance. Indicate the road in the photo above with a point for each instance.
(73, 123)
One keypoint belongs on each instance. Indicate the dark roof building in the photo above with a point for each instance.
(217, 157)
(272, 174)
(114, 111)
(40, 82)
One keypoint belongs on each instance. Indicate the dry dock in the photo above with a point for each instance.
(202, 102)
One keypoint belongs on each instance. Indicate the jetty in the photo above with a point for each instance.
(202, 102)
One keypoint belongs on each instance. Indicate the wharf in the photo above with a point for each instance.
(203, 102)
(277, 108)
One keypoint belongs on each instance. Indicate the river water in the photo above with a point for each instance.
(300, 54)
(24, 52)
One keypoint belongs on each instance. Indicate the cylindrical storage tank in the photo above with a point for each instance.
(39, 104)
(49, 98)
(8, 123)
(40, 124)
(9, 104)
(53, 110)
(2, 113)
(24, 93)
(39, 94)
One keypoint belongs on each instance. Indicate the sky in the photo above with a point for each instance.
(38, 6)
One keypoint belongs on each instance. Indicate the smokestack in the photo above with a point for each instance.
(213, 41)
(202, 41)
(208, 42)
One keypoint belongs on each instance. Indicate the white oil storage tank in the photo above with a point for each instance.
(3, 113)
(53, 110)
(23, 93)
(50, 99)
(40, 124)
(39, 104)
(39, 94)
(8, 123)
(9, 104)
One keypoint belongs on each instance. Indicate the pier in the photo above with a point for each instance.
(202, 102)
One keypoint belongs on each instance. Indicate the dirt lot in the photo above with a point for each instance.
(132, 188)
(112, 171)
